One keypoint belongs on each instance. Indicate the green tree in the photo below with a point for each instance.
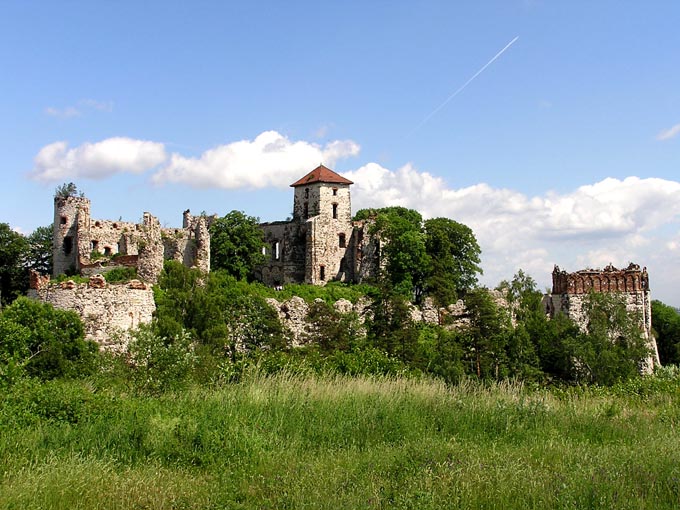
(40, 250)
(454, 254)
(236, 243)
(14, 250)
(45, 341)
(666, 324)
(406, 262)
(612, 348)
(486, 335)
(67, 190)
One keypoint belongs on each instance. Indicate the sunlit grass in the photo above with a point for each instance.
(289, 441)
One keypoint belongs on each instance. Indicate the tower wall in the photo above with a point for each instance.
(71, 218)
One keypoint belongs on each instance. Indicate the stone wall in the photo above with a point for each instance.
(570, 292)
(108, 312)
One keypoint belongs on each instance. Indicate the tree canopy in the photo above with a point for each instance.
(236, 243)
(13, 274)
(439, 257)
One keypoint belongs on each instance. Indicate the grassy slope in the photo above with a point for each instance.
(300, 442)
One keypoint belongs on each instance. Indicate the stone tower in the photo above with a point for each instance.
(71, 216)
(322, 201)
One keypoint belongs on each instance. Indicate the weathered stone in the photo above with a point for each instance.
(68, 284)
(570, 292)
(137, 285)
(343, 306)
(97, 282)
(36, 280)
(108, 313)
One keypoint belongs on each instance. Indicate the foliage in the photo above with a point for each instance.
(44, 341)
(120, 274)
(666, 323)
(236, 243)
(160, 363)
(67, 190)
(613, 347)
(216, 309)
(14, 249)
(454, 254)
(439, 257)
(39, 257)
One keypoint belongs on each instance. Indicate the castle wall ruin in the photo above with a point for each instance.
(570, 293)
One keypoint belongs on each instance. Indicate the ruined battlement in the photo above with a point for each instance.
(609, 279)
(91, 246)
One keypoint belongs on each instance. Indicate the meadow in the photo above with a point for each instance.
(312, 441)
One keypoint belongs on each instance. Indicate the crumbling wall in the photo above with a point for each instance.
(570, 292)
(108, 312)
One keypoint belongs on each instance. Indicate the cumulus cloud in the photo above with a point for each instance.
(58, 162)
(669, 133)
(271, 159)
(613, 220)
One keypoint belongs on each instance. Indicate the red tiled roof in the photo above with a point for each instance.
(321, 174)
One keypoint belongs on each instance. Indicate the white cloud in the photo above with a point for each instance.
(613, 220)
(271, 159)
(667, 134)
(76, 111)
(65, 113)
(57, 162)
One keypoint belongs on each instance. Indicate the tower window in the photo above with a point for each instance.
(306, 192)
(276, 253)
(342, 242)
(94, 245)
(335, 211)
(305, 213)
(68, 245)
(322, 273)
(335, 192)
(63, 220)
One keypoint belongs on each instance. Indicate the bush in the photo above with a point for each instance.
(44, 341)
(160, 363)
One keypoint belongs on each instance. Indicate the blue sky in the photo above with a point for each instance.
(564, 150)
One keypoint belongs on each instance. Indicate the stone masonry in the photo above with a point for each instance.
(570, 291)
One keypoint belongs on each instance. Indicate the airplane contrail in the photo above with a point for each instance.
(461, 88)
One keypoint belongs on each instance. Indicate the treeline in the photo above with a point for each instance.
(212, 327)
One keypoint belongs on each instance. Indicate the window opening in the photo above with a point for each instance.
(276, 255)
(335, 192)
(68, 245)
(335, 211)
(322, 273)
(306, 210)
(94, 245)
(342, 242)
(107, 250)
(306, 192)
(63, 220)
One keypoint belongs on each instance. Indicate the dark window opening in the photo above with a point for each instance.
(107, 250)
(306, 211)
(335, 192)
(335, 211)
(306, 192)
(63, 220)
(68, 245)
(94, 245)
(342, 242)
(322, 273)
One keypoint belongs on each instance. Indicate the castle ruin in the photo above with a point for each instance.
(570, 290)
(320, 243)
(86, 246)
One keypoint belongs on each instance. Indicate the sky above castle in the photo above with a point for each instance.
(550, 128)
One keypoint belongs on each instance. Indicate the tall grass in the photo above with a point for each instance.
(292, 441)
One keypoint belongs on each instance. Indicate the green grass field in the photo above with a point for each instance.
(311, 442)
